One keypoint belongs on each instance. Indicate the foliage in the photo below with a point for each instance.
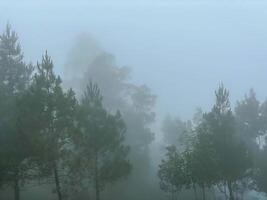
(87, 61)
(53, 113)
(216, 155)
(15, 148)
(103, 156)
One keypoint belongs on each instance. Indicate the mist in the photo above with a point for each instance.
(173, 39)
(160, 70)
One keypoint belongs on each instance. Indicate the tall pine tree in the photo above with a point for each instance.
(53, 117)
(100, 147)
(15, 148)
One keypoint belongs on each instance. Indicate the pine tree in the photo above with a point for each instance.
(15, 147)
(231, 154)
(100, 145)
(53, 115)
(249, 116)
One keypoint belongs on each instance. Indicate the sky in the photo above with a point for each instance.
(181, 49)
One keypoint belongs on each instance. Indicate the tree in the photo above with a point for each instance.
(15, 74)
(260, 176)
(251, 121)
(87, 61)
(194, 166)
(53, 114)
(103, 155)
(202, 161)
(249, 114)
(216, 154)
(15, 145)
(230, 152)
(173, 171)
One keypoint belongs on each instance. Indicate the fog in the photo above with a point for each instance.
(170, 45)
(181, 50)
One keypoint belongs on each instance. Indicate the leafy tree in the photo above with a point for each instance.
(260, 177)
(250, 120)
(135, 102)
(230, 152)
(15, 74)
(103, 156)
(15, 144)
(194, 166)
(216, 155)
(202, 161)
(173, 171)
(53, 114)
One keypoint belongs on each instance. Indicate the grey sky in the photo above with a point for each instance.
(181, 49)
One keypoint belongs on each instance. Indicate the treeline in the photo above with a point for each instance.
(48, 136)
(79, 141)
(222, 152)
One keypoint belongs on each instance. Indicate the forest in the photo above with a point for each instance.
(88, 135)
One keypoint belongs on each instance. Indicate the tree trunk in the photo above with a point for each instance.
(97, 190)
(225, 191)
(57, 181)
(242, 195)
(231, 195)
(203, 192)
(214, 192)
(16, 189)
(195, 191)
